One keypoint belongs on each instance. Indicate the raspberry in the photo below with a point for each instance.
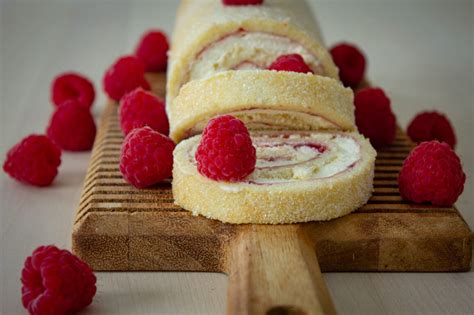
(351, 63)
(242, 2)
(432, 173)
(72, 127)
(35, 160)
(146, 158)
(428, 126)
(56, 282)
(72, 86)
(139, 109)
(152, 50)
(374, 116)
(125, 75)
(292, 62)
(226, 152)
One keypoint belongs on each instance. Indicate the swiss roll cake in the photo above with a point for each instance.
(311, 163)
(211, 37)
(298, 177)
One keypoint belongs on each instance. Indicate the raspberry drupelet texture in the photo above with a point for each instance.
(35, 161)
(56, 282)
(225, 152)
(72, 127)
(72, 86)
(146, 158)
(432, 173)
(292, 62)
(125, 75)
(374, 116)
(139, 109)
(428, 126)
(152, 50)
(242, 2)
(351, 63)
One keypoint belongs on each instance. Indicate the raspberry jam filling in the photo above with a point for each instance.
(301, 156)
(243, 50)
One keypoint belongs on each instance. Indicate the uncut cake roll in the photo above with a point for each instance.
(299, 177)
(211, 37)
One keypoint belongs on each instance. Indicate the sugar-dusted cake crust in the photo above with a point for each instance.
(290, 202)
(202, 22)
(232, 91)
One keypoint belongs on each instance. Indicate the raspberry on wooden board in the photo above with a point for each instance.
(374, 116)
(152, 50)
(433, 125)
(123, 76)
(146, 157)
(140, 108)
(432, 173)
(351, 63)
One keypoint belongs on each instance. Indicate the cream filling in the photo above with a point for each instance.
(318, 156)
(269, 119)
(247, 50)
(290, 158)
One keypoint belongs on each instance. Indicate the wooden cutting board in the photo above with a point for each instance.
(272, 269)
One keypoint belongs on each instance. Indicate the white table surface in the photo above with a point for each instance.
(420, 52)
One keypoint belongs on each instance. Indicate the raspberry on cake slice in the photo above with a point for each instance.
(242, 2)
(292, 62)
(225, 151)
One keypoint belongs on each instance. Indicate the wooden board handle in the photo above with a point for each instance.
(274, 270)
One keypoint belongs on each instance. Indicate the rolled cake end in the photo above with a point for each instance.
(299, 178)
(210, 37)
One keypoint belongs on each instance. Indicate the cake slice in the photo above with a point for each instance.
(263, 100)
(299, 177)
(210, 37)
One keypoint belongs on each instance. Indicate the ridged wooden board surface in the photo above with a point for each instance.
(118, 227)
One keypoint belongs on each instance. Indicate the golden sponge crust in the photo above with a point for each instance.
(299, 201)
(238, 90)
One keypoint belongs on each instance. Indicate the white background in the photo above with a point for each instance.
(420, 52)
